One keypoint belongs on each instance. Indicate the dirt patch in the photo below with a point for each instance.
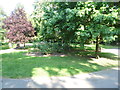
(39, 54)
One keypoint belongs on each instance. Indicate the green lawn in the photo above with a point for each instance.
(18, 65)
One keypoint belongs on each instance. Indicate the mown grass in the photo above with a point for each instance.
(18, 65)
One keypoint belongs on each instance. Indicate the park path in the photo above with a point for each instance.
(13, 50)
(114, 51)
(10, 50)
(102, 79)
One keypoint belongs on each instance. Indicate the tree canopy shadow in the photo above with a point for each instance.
(17, 65)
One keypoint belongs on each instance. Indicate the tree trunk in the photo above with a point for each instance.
(82, 46)
(24, 45)
(97, 47)
(18, 45)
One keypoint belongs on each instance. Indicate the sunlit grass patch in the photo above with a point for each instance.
(18, 65)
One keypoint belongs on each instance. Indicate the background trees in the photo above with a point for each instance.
(65, 23)
(19, 29)
(69, 22)
(2, 31)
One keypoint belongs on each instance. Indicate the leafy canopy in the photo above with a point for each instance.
(19, 29)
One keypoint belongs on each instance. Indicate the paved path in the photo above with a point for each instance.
(114, 51)
(10, 50)
(102, 79)
(15, 50)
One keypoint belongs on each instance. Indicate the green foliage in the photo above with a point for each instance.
(48, 47)
(57, 21)
(19, 29)
(44, 49)
(2, 31)
(28, 47)
(82, 22)
(4, 46)
(103, 25)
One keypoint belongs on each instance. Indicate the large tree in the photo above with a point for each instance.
(19, 29)
(104, 23)
(56, 21)
(77, 21)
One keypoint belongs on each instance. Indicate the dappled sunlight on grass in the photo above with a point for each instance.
(24, 58)
(104, 62)
(47, 71)
(39, 72)
(108, 55)
(18, 65)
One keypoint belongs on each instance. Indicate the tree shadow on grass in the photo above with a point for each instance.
(90, 53)
(17, 65)
(108, 56)
(97, 80)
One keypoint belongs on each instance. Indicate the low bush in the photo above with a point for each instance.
(48, 47)
(28, 47)
(4, 46)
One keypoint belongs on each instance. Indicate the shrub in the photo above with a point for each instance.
(28, 47)
(48, 47)
(3, 47)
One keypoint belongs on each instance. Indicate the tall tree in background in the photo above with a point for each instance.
(19, 29)
(2, 31)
